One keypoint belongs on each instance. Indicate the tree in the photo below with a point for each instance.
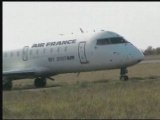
(148, 51)
(158, 51)
(151, 51)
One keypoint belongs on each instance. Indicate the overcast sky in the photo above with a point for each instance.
(25, 22)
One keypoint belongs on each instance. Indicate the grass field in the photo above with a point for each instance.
(90, 95)
(152, 57)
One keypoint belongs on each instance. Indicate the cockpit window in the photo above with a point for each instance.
(114, 40)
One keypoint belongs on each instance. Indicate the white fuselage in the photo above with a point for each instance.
(76, 53)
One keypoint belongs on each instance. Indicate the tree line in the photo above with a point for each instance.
(152, 51)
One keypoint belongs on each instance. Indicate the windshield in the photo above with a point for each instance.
(114, 40)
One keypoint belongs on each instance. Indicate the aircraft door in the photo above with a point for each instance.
(82, 52)
(25, 53)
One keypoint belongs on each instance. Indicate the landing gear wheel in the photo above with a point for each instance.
(123, 74)
(124, 78)
(40, 82)
(7, 85)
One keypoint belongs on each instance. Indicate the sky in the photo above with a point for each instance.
(29, 22)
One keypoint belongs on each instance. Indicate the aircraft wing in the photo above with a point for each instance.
(25, 73)
(18, 73)
(12, 73)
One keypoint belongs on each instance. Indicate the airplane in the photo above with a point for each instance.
(100, 50)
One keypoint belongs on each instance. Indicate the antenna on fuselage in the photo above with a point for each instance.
(81, 30)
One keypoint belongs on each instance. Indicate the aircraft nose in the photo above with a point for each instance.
(139, 56)
(134, 55)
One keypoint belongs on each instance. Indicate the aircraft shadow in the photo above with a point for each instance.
(34, 88)
(130, 79)
(145, 78)
(101, 81)
(31, 87)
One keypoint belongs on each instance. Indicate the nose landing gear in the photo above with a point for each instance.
(123, 74)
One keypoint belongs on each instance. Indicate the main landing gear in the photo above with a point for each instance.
(41, 82)
(123, 74)
(7, 85)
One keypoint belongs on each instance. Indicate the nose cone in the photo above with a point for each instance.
(134, 55)
(139, 56)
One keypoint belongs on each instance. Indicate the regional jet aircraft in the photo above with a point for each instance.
(70, 54)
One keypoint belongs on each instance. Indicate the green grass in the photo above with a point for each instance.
(152, 57)
(91, 95)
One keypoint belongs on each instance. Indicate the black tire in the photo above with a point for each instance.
(124, 78)
(7, 85)
(40, 82)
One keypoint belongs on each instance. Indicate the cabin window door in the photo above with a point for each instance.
(25, 53)
(82, 52)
